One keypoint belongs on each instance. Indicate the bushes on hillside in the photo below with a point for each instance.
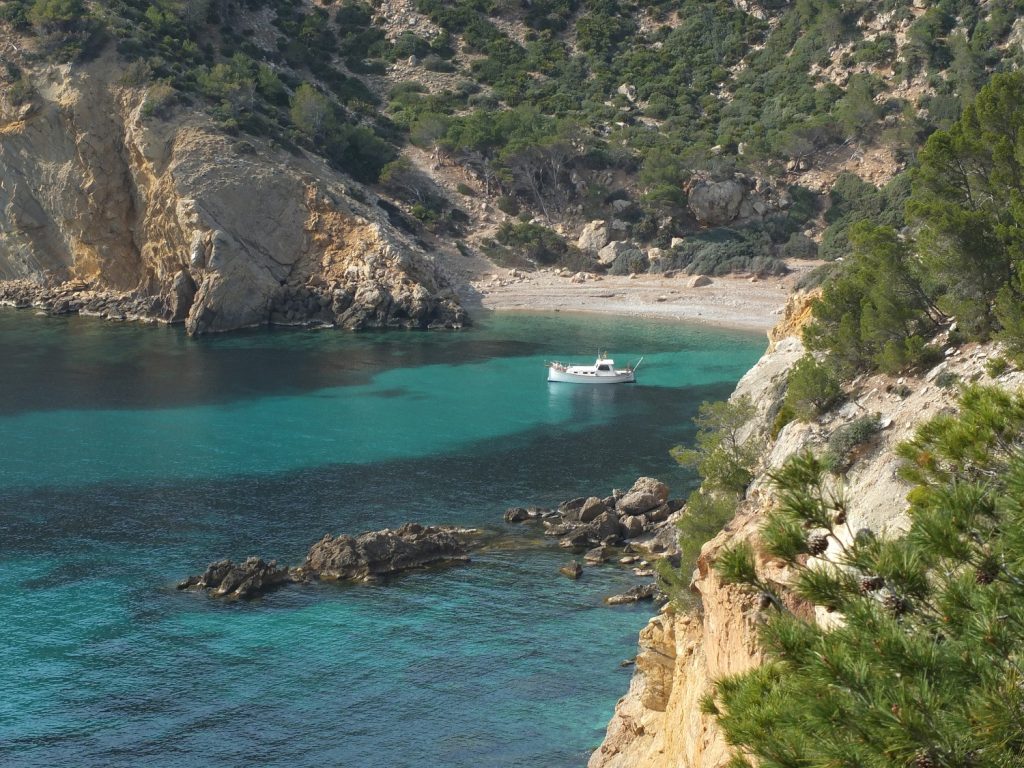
(724, 455)
(811, 389)
(875, 312)
(922, 669)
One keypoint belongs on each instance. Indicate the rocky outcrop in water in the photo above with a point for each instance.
(243, 581)
(381, 553)
(641, 516)
(638, 593)
(340, 558)
(108, 210)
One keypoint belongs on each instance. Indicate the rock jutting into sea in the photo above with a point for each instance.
(126, 217)
(641, 519)
(638, 593)
(341, 558)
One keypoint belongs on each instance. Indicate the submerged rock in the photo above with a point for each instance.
(573, 570)
(516, 515)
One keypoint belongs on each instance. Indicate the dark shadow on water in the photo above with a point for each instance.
(279, 516)
(57, 363)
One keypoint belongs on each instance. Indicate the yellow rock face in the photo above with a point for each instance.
(95, 191)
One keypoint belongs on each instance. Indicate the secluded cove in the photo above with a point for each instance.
(134, 455)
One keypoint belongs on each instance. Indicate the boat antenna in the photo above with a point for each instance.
(637, 365)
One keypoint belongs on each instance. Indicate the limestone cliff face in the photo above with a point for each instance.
(658, 724)
(184, 223)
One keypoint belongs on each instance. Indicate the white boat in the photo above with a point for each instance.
(603, 371)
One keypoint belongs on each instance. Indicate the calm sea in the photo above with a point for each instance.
(133, 456)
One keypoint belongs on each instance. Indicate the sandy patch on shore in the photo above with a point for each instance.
(730, 302)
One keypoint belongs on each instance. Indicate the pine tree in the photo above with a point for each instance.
(925, 668)
(875, 313)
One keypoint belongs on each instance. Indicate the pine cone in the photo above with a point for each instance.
(871, 584)
(924, 758)
(817, 543)
(895, 604)
(986, 572)
(840, 517)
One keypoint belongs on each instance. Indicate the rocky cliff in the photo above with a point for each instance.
(108, 211)
(659, 723)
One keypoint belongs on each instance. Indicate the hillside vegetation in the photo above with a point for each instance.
(923, 667)
(557, 112)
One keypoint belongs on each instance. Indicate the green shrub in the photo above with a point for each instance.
(947, 380)
(799, 246)
(509, 205)
(724, 455)
(465, 189)
(996, 366)
(811, 389)
(923, 662)
(702, 519)
(538, 244)
(56, 13)
(160, 100)
(845, 440)
(631, 262)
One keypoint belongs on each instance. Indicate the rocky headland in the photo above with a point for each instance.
(365, 557)
(659, 723)
(109, 212)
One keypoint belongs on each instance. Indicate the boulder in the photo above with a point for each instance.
(636, 594)
(559, 529)
(596, 556)
(591, 509)
(593, 237)
(570, 510)
(243, 581)
(632, 526)
(614, 249)
(516, 515)
(658, 514)
(573, 570)
(716, 202)
(699, 281)
(652, 486)
(604, 527)
(576, 539)
(637, 502)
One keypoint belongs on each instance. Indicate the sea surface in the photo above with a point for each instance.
(132, 456)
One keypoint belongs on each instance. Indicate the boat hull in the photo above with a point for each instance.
(569, 377)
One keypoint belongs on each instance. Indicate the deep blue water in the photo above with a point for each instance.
(133, 456)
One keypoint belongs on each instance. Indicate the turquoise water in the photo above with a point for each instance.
(133, 456)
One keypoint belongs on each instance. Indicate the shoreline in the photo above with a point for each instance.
(735, 302)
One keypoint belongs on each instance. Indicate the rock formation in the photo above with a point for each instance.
(340, 558)
(659, 723)
(242, 581)
(108, 210)
(643, 516)
(381, 553)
